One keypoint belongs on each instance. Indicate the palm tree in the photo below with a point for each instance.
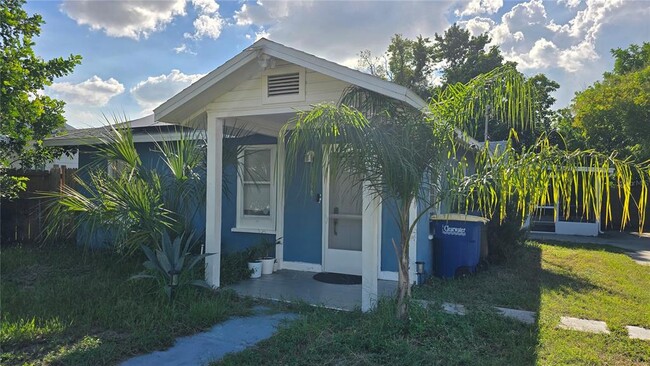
(402, 154)
(136, 203)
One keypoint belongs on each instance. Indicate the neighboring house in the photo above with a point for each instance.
(323, 229)
(68, 161)
(554, 219)
(146, 132)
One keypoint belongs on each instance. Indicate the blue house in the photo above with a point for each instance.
(332, 227)
(318, 229)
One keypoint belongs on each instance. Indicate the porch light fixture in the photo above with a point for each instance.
(174, 277)
(419, 270)
(309, 157)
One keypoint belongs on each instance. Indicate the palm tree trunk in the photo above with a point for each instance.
(403, 282)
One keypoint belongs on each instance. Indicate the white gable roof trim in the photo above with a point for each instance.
(343, 73)
(302, 59)
(204, 83)
(294, 56)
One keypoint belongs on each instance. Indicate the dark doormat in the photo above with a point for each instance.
(337, 278)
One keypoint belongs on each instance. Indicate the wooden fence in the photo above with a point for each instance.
(22, 219)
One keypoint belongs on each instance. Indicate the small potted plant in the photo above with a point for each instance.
(254, 264)
(268, 260)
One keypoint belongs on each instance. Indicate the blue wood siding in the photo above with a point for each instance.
(389, 232)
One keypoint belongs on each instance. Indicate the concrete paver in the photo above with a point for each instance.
(455, 309)
(524, 316)
(583, 325)
(638, 332)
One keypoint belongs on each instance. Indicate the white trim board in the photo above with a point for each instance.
(93, 140)
(302, 266)
(388, 276)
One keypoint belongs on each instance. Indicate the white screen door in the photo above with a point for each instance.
(343, 244)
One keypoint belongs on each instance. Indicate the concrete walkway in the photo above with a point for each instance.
(233, 335)
(637, 247)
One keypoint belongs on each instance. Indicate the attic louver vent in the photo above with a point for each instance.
(284, 84)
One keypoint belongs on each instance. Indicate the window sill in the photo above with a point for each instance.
(252, 230)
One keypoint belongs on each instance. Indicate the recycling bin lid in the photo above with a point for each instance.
(459, 217)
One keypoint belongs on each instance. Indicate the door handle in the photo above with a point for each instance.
(336, 221)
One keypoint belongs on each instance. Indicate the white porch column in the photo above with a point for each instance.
(279, 211)
(413, 242)
(214, 175)
(370, 242)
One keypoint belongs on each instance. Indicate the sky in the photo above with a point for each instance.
(137, 54)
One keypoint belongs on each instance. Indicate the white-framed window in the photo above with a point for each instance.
(256, 193)
(283, 84)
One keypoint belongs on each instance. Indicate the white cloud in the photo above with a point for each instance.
(155, 90)
(337, 30)
(542, 55)
(528, 36)
(587, 22)
(575, 57)
(132, 19)
(569, 3)
(206, 6)
(92, 92)
(477, 25)
(208, 26)
(183, 48)
(475, 7)
(209, 22)
(139, 18)
(261, 14)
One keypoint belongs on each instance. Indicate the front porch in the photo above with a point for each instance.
(294, 286)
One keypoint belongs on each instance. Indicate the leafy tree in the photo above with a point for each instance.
(464, 55)
(631, 59)
(393, 149)
(458, 57)
(26, 115)
(409, 63)
(373, 65)
(542, 88)
(614, 114)
(568, 136)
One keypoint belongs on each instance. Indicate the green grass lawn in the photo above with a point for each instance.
(60, 306)
(66, 307)
(555, 280)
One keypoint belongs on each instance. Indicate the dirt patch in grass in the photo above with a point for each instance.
(26, 277)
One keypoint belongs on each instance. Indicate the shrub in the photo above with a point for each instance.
(505, 237)
(234, 267)
(171, 263)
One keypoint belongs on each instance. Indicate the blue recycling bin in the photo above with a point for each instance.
(456, 243)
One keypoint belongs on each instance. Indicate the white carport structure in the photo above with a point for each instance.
(241, 92)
